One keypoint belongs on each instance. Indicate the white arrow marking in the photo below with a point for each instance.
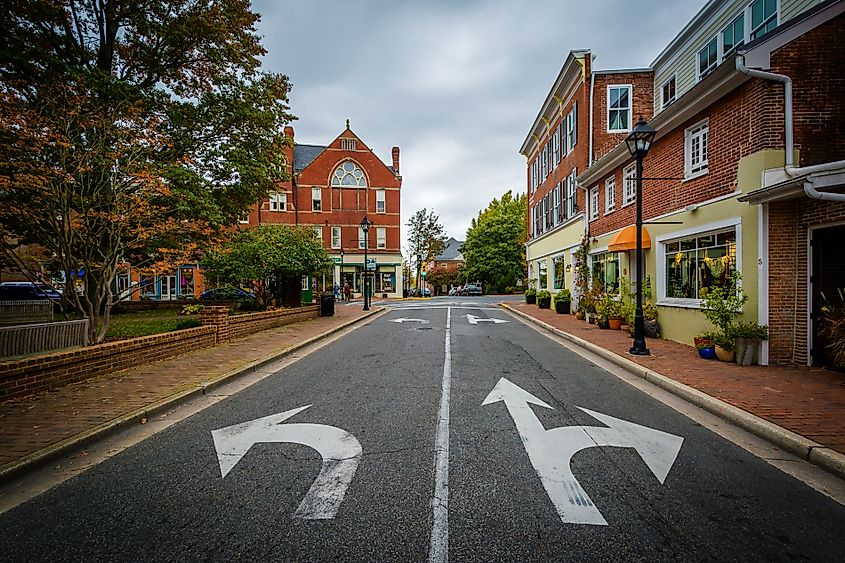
(339, 449)
(404, 320)
(551, 451)
(473, 320)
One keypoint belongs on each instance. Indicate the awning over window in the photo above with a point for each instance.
(626, 239)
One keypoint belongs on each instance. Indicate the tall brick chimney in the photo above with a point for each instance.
(289, 131)
(396, 160)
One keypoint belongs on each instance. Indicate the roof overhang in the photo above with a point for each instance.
(793, 188)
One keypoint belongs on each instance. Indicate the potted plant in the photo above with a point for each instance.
(704, 345)
(650, 324)
(563, 300)
(615, 314)
(530, 295)
(832, 328)
(724, 345)
(747, 336)
(544, 299)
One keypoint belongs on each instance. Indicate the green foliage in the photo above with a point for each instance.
(267, 257)
(724, 340)
(563, 296)
(494, 250)
(192, 309)
(832, 328)
(425, 235)
(187, 323)
(142, 323)
(530, 292)
(582, 267)
(750, 331)
(707, 339)
(721, 305)
(544, 299)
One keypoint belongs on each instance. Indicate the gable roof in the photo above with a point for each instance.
(303, 155)
(452, 250)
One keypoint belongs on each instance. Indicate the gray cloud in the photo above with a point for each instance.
(456, 85)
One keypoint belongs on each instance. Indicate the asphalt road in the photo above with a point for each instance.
(509, 498)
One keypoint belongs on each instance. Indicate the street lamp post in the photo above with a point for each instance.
(639, 142)
(340, 281)
(365, 228)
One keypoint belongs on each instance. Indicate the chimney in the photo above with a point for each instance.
(289, 132)
(396, 160)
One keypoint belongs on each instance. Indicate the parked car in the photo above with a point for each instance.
(226, 294)
(471, 289)
(27, 291)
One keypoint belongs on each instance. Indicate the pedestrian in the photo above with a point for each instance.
(347, 291)
(336, 291)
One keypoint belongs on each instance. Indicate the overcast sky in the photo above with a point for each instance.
(455, 84)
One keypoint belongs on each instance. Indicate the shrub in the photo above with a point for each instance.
(530, 292)
(750, 331)
(187, 323)
(544, 299)
(563, 296)
(832, 328)
(721, 304)
(724, 340)
(192, 309)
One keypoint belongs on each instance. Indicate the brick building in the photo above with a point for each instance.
(331, 189)
(721, 145)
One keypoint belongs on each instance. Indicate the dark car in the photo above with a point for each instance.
(226, 294)
(27, 291)
(471, 289)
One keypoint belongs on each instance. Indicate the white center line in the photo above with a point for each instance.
(438, 550)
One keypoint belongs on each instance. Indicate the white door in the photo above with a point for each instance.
(168, 288)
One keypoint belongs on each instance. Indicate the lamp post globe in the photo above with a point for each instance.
(639, 142)
(365, 229)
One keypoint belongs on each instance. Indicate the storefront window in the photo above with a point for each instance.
(559, 268)
(386, 281)
(148, 288)
(606, 271)
(186, 282)
(542, 273)
(695, 264)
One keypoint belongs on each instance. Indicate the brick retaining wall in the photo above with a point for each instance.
(25, 376)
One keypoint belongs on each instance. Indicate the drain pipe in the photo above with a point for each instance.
(790, 168)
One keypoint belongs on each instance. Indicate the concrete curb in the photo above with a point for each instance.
(815, 453)
(134, 417)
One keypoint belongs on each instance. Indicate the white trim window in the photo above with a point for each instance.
(380, 203)
(695, 150)
(764, 17)
(571, 129)
(361, 238)
(335, 237)
(534, 175)
(243, 218)
(556, 209)
(619, 108)
(318, 232)
(696, 263)
(556, 147)
(544, 163)
(667, 93)
(349, 174)
(278, 201)
(594, 203)
(707, 59)
(610, 195)
(316, 199)
(571, 195)
(543, 273)
(381, 237)
(733, 36)
(629, 183)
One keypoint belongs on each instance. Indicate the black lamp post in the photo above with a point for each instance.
(639, 142)
(341, 280)
(365, 228)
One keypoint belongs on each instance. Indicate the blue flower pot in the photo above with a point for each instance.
(707, 353)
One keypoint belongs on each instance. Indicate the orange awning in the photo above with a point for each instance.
(626, 239)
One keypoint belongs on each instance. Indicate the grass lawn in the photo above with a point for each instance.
(144, 323)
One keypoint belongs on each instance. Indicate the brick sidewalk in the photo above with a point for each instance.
(807, 401)
(31, 424)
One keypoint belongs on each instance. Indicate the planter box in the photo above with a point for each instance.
(562, 307)
(530, 299)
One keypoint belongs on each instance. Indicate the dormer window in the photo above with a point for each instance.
(348, 174)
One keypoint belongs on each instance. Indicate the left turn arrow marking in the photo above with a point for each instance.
(404, 320)
(339, 449)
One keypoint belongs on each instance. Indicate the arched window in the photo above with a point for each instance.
(348, 174)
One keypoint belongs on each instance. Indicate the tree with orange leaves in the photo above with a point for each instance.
(132, 131)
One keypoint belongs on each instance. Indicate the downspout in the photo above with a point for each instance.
(790, 168)
(590, 143)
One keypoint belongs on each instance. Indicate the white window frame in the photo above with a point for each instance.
(278, 201)
(556, 210)
(381, 237)
(668, 238)
(751, 32)
(742, 40)
(701, 73)
(629, 184)
(610, 195)
(336, 237)
(699, 132)
(571, 129)
(664, 103)
(594, 203)
(361, 238)
(571, 195)
(630, 106)
(243, 218)
(556, 147)
(380, 199)
(544, 163)
(316, 198)
(318, 232)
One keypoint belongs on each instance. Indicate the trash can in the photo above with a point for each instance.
(327, 305)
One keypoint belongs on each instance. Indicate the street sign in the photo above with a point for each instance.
(371, 264)
(551, 451)
(339, 449)
(473, 320)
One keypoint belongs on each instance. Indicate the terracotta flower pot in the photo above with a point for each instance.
(579, 315)
(725, 355)
(615, 324)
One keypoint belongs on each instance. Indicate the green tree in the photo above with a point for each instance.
(426, 237)
(494, 251)
(271, 259)
(136, 130)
